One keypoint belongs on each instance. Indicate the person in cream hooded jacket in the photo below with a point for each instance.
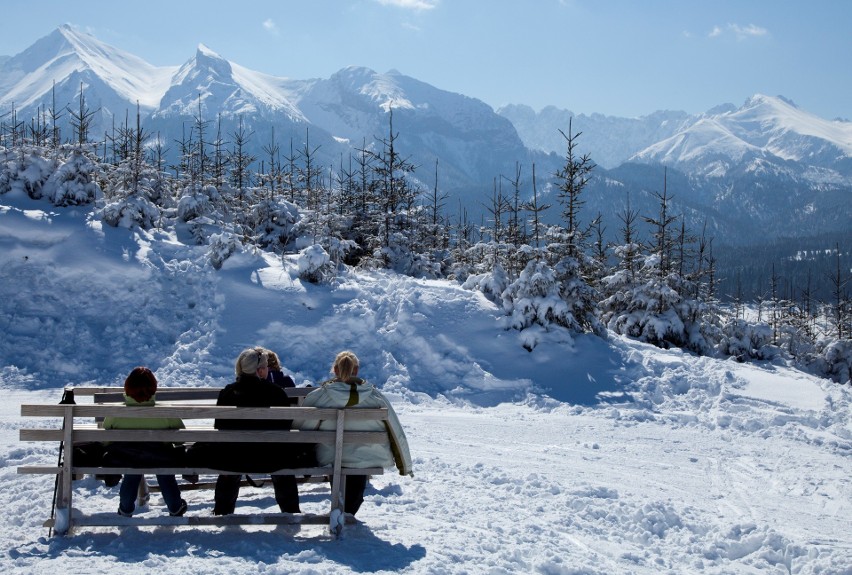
(348, 390)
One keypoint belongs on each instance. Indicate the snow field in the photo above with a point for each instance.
(584, 457)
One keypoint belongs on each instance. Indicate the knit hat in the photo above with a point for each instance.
(251, 360)
(141, 385)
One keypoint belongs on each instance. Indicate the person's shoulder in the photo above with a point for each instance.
(226, 394)
(229, 387)
(322, 385)
(316, 394)
(368, 390)
(279, 378)
(274, 392)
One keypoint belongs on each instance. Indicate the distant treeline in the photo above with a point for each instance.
(800, 265)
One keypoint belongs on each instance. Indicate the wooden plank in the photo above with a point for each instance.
(202, 412)
(208, 435)
(38, 469)
(116, 393)
(338, 457)
(85, 390)
(116, 520)
(92, 390)
(190, 470)
(190, 394)
(202, 394)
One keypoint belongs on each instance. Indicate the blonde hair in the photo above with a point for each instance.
(272, 359)
(250, 360)
(345, 365)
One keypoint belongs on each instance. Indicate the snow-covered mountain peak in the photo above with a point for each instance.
(381, 89)
(68, 53)
(224, 87)
(205, 66)
(782, 121)
(770, 126)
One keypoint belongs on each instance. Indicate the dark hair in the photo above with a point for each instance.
(141, 384)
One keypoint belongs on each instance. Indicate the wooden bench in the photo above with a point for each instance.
(78, 423)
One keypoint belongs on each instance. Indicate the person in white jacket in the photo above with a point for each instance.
(349, 390)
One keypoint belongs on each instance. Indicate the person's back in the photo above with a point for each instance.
(251, 389)
(140, 388)
(357, 393)
(142, 422)
(348, 390)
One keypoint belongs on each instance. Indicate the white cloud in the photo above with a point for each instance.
(740, 32)
(410, 4)
(748, 31)
(270, 26)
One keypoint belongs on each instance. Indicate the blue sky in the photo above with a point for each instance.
(615, 57)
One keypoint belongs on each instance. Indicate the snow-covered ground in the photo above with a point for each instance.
(583, 457)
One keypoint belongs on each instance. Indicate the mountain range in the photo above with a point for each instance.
(762, 170)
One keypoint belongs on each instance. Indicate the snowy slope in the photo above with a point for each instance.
(585, 456)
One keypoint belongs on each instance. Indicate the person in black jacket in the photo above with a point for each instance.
(252, 389)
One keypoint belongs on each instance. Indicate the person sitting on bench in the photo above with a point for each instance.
(139, 389)
(349, 390)
(252, 389)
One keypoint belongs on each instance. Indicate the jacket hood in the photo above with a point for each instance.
(129, 401)
(348, 393)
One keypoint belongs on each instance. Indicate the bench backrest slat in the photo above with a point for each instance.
(212, 435)
(186, 394)
(203, 412)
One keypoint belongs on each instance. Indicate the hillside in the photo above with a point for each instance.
(584, 456)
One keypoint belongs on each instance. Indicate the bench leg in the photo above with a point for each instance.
(62, 517)
(337, 516)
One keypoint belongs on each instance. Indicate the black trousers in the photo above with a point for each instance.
(353, 495)
(228, 490)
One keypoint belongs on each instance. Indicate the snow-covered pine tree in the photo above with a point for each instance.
(133, 186)
(567, 247)
(240, 160)
(396, 197)
(659, 305)
(616, 287)
(73, 182)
